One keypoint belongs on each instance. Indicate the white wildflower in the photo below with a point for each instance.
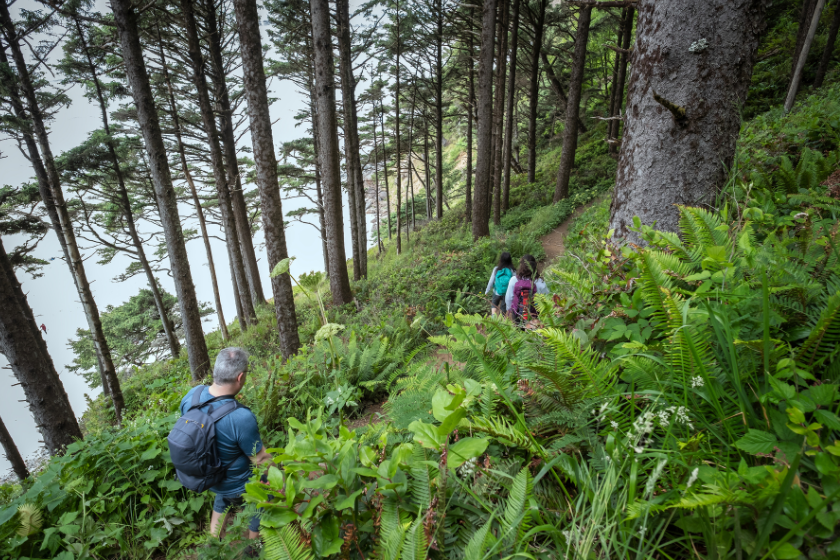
(654, 477)
(644, 423)
(639, 449)
(642, 531)
(328, 331)
(664, 417)
(682, 417)
(692, 478)
(697, 382)
(699, 45)
(614, 424)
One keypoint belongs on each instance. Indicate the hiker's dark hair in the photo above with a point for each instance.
(505, 261)
(527, 268)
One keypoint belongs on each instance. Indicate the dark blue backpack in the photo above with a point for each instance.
(192, 443)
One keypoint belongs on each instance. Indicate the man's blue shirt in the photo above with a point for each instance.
(237, 438)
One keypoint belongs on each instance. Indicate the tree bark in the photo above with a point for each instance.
(385, 166)
(179, 143)
(499, 112)
(398, 164)
(470, 116)
(828, 52)
(483, 170)
(799, 65)
(570, 132)
(108, 374)
(438, 110)
(125, 202)
(12, 453)
(533, 95)
(319, 191)
(666, 160)
(427, 170)
(355, 179)
(262, 140)
(237, 198)
(328, 153)
(806, 14)
(510, 128)
(125, 18)
(243, 292)
(32, 366)
(627, 36)
(376, 178)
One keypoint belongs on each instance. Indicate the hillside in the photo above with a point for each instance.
(676, 398)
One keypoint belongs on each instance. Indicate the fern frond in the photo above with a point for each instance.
(30, 519)
(415, 545)
(824, 335)
(517, 518)
(478, 542)
(285, 543)
(501, 429)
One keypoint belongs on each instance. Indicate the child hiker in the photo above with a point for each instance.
(519, 297)
(498, 283)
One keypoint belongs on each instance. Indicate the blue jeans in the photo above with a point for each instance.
(222, 503)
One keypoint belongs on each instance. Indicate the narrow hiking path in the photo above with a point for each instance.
(553, 243)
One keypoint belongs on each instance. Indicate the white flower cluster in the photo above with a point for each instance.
(699, 45)
(692, 478)
(697, 382)
(467, 470)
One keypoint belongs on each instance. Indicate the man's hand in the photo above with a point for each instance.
(262, 457)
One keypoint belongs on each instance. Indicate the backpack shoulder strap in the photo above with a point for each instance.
(221, 411)
(196, 399)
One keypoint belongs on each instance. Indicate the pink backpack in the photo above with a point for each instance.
(523, 299)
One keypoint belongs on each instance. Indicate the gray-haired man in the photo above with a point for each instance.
(238, 441)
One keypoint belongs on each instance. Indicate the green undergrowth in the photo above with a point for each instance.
(679, 400)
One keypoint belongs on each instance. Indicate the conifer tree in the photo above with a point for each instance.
(125, 17)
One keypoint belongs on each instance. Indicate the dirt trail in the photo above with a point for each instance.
(553, 242)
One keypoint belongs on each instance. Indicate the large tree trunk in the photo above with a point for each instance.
(12, 453)
(483, 170)
(499, 112)
(510, 126)
(328, 149)
(427, 170)
(319, 191)
(398, 164)
(237, 198)
(570, 133)
(704, 90)
(355, 179)
(376, 178)
(32, 365)
(262, 140)
(533, 94)
(438, 110)
(806, 14)
(108, 374)
(799, 64)
(125, 203)
(621, 78)
(828, 52)
(179, 143)
(234, 247)
(385, 166)
(126, 19)
(470, 116)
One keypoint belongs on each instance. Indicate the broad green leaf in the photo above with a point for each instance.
(348, 501)
(425, 434)
(150, 453)
(324, 482)
(785, 551)
(282, 267)
(757, 441)
(277, 517)
(465, 449)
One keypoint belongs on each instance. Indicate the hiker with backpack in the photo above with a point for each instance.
(498, 283)
(216, 441)
(519, 297)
